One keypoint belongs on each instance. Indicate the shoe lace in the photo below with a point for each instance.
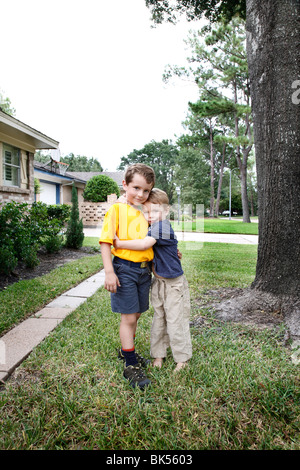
(139, 357)
(137, 372)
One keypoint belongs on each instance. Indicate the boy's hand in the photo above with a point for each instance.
(111, 282)
(122, 199)
(179, 254)
(116, 242)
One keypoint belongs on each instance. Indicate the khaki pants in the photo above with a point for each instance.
(170, 327)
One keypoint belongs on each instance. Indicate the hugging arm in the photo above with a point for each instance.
(138, 245)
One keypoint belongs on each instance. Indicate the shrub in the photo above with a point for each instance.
(24, 229)
(8, 260)
(99, 187)
(60, 212)
(53, 243)
(74, 235)
(49, 220)
(58, 215)
(14, 226)
(37, 186)
(29, 255)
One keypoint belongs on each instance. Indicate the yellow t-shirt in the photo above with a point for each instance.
(127, 223)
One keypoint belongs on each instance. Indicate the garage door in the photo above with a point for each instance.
(49, 193)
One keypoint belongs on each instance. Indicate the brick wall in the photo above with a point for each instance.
(92, 213)
(8, 194)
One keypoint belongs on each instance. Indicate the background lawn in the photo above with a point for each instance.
(240, 391)
(218, 226)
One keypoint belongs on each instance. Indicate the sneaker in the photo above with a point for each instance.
(141, 360)
(136, 376)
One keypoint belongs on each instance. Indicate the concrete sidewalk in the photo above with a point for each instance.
(18, 343)
(218, 238)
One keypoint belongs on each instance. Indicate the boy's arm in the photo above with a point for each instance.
(111, 281)
(140, 244)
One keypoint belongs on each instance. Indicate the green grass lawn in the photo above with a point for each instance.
(26, 297)
(217, 226)
(240, 391)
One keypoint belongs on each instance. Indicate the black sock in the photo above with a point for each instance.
(130, 358)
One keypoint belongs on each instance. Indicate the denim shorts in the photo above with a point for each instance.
(133, 295)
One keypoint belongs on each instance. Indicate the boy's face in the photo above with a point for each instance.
(138, 190)
(155, 212)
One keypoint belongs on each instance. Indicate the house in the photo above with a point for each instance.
(56, 183)
(18, 143)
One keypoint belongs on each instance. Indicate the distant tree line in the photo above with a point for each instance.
(75, 162)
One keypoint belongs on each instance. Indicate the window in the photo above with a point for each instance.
(11, 166)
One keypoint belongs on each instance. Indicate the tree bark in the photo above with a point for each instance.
(212, 172)
(220, 181)
(273, 51)
(242, 164)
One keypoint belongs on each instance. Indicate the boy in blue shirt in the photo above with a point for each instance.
(169, 292)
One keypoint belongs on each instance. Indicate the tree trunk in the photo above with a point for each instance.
(274, 65)
(242, 163)
(273, 52)
(212, 172)
(220, 182)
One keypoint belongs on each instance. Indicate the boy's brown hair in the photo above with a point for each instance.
(143, 170)
(157, 196)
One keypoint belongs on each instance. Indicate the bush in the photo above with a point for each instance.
(99, 187)
(29, 255)
(60, 212)
(8, 260)
(24, 229)
(74, 235)
(57, 216)
(53, 243)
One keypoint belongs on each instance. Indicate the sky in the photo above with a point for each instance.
(89, 74)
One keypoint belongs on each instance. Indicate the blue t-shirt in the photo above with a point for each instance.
(166, 261)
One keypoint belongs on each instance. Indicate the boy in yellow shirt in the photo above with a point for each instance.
(128, 275)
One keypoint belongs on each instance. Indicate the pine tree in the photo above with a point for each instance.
(74, 233)
(219, 67)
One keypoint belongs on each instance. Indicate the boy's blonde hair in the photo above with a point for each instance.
(157, 196)
(144, 170)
